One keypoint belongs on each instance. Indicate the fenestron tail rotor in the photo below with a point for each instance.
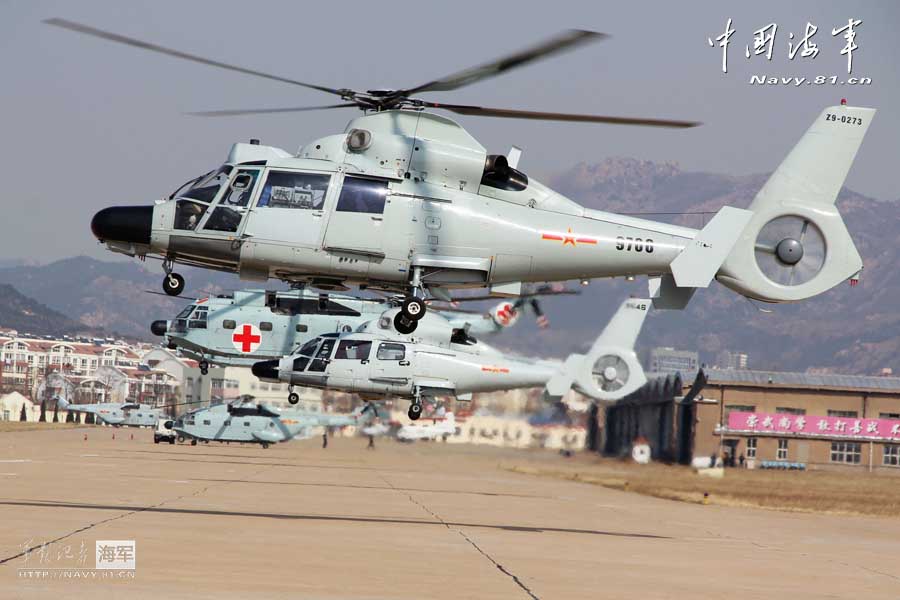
(790, 250)
(378, 100)
(610, 372)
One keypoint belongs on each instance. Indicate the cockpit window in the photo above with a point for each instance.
(353, 350)
(206, 188)
(309, 347)
(226, 216)
(285, 189)
(322, 356)
(188, 214)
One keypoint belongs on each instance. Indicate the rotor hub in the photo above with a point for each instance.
(789, 251)
(610, 373)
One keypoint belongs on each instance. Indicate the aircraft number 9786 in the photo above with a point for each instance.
(636, 244)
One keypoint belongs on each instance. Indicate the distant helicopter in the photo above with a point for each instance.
(247, 326)
(120, 414)
(408, 201)
(440, 429)
(378, 362)
(245, 420)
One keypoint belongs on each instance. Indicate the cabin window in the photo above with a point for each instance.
(309, 347)
(206, 422)
(302, 328)
(390, 351)
(362, 196)
(353, 350)
(246, 423)
(265, 326)
(300, 363)
(286, 189)
(229, 324)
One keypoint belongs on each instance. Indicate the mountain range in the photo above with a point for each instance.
(848, 329)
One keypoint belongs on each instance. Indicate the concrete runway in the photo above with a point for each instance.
(402, 521)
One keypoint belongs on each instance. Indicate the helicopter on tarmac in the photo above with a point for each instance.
(118, 414)
(407, 200)
(247, 421)
(247, 326)
(378, 361)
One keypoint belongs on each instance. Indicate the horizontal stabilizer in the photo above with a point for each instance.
(698, 263)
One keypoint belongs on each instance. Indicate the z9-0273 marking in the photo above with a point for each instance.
(844, 119)
(636, 244)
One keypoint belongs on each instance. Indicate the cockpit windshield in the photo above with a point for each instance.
(205, 187)
(309, 348)
(194, 197)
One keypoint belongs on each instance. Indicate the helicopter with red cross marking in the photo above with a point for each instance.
(406, 200)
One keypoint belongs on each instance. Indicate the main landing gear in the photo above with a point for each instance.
(173, 283)
(415, 407)
(413, 307)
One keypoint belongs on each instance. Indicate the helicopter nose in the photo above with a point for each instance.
(267, 369)
(159, 327)
(123, 224)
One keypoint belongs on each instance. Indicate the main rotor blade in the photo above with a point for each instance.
(507, 113)
(567, 40)
(265, 111)
(115, 37)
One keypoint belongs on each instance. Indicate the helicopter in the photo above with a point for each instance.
(378, 361)
(246, 326)
(406, 200)
(245, 420)
(119, 414)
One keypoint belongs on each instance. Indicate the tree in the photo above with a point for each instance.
(23, 416)
(43, 417)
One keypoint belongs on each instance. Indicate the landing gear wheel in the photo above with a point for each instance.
(204, 367)
(293, 397)
(193, 442)
(173, 284)
(413, 308)
(415, 411)
(265, 445)
(180, 439)
(404, 324)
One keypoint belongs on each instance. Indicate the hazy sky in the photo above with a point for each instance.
(87, 123)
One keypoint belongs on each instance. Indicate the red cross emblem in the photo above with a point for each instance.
(247, 338)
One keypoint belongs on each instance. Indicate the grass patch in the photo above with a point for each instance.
(831, 492)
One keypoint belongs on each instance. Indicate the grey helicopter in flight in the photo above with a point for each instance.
(378, 361)
(247, 421)
(407, 200)
(247, 326)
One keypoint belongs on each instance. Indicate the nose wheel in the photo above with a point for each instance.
(204, 367)
(173, 284)
(293, 397)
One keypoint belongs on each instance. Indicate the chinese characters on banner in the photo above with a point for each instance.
(810, 425)
(764, 42)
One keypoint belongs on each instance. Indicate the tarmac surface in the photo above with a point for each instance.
(424, 520)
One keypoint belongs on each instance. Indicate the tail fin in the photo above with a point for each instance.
(62, 402)
(796, 245)
(610, 370)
